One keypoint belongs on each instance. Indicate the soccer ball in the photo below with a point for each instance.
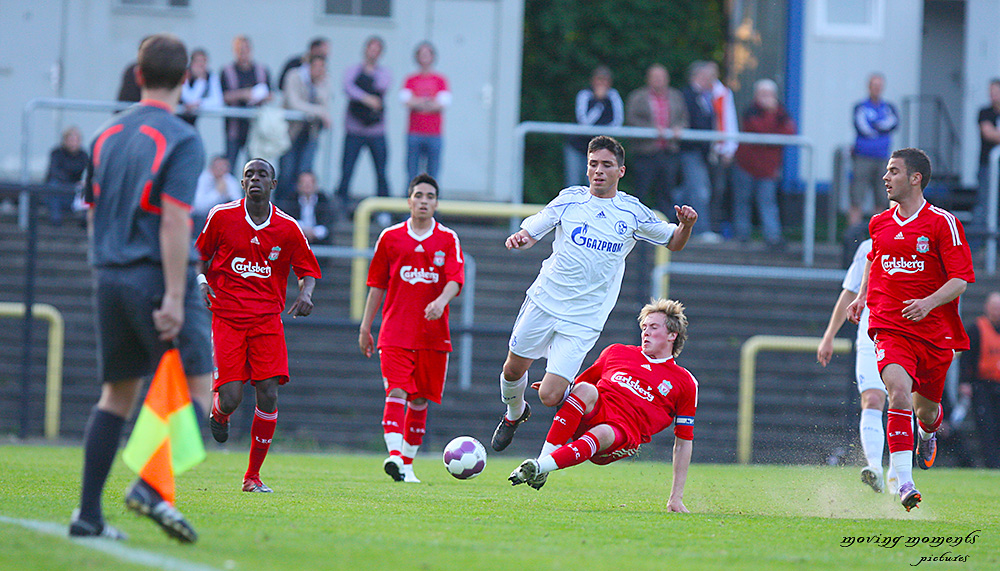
(464, 457)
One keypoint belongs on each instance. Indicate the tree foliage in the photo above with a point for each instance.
(564, 40)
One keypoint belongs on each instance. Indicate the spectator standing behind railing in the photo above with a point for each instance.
(696, 188)
(67, 162)
(425, 95)
(600, 104)
(755, 177)
(655, 161)
(874, 121)
(721, 158)
(202, 88)
(989, 137)
(245, 83)
(365, 85)
(317, 47)
(306, 90)
(980, 367)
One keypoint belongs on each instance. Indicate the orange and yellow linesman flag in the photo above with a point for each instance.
(166, 439)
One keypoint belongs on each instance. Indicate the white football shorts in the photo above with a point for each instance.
(866, 368)
(540, 334)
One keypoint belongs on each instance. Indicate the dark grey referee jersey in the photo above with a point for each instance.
(140, 159)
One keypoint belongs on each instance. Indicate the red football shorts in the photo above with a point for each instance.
(626, 442)
(420, 373)
(254, 354)
(926, 364)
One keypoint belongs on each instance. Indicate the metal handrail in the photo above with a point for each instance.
(809, 206)
(54, 360)
(368, 206)
(748, 363)
(659, 283)
(108, 106)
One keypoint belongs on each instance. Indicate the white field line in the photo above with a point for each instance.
(111, 547)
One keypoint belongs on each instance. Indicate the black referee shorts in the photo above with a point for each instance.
(128, 345)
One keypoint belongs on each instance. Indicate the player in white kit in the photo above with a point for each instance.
(568, 303)
(870, 384)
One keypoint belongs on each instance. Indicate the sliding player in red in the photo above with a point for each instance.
(249, 247)
(417, 268)
(629, 394)
(919, 265)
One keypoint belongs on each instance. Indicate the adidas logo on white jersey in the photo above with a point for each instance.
(419, 248)
(899, 236)
(254, 240)
(601, 214)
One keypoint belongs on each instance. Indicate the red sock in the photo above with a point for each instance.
(899, 430)
(566, 421)
(392, 418)
(576, 452)
(217, 413)
(937, 423)
(261, 431)
(414, 428)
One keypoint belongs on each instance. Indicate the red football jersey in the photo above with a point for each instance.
(414, 270)
(250, 263)
(911, 259)
(650, 393)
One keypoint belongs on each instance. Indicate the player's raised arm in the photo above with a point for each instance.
(686, 217)
(682, 459)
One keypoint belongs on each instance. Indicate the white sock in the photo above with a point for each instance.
(393, 441)
(546, 464)
(409, 450)
(925, 436)
(872, 436)
(903, 463)
(548, 448)
(512, 394)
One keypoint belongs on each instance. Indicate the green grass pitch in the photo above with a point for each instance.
(341, 512)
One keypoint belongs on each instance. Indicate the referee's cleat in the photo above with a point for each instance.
(82, 528)
(253, 484)
(143, 499)
(926, 451)
(220, 430)
(909, 496)
(393, 466)
(506, 429)
(873, 477)
(526, 473)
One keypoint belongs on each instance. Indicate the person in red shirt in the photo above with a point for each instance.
(918, 267)
(425, 95)
(417, 268)
(629, 394)
(755, 178)
(249, 247)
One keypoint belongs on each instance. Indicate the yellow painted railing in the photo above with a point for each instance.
(53, 369)
(368, 206)
(748, 365)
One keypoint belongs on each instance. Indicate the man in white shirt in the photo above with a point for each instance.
(577, 287)
(216, 185)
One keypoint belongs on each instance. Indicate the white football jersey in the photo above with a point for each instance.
(580, 281)
(852, 282)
